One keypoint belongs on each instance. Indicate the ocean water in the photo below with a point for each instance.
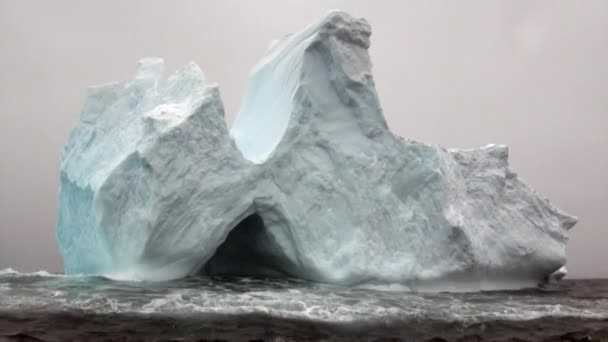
(46, 307)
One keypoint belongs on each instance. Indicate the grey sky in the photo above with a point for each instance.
(530, 74)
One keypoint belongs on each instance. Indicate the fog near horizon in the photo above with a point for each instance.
(532, 75)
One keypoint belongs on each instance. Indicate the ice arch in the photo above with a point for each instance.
(249, 250)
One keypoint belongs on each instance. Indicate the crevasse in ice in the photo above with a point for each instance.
(309, 182)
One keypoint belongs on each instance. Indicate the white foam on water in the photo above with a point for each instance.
(8, 271)
(40, 273)
(392, 287)
(121, 277)
(319, 302)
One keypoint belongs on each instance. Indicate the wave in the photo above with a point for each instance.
(121, 277)
(40, 273)
(115, 277)
(9, 271)
(117, 294)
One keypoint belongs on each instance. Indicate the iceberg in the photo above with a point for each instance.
(309, 182)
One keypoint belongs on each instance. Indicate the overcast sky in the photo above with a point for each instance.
(529, 74)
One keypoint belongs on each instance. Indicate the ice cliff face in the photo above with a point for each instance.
(309, 182)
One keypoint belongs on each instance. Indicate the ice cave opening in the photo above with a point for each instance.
(249, 250)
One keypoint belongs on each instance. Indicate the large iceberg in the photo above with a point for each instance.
(309, 182)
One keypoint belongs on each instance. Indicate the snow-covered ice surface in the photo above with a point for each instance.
(309, 182)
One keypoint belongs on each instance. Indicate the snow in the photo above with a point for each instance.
(154, 186)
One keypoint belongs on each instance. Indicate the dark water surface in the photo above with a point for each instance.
(40, 306)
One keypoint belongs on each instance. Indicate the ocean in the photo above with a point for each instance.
(51, 307)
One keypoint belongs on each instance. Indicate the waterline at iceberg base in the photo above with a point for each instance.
(308, 183)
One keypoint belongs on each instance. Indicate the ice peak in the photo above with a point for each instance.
(312, 77)
(346, 27)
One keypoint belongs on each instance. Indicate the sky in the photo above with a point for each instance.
(529, 74)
